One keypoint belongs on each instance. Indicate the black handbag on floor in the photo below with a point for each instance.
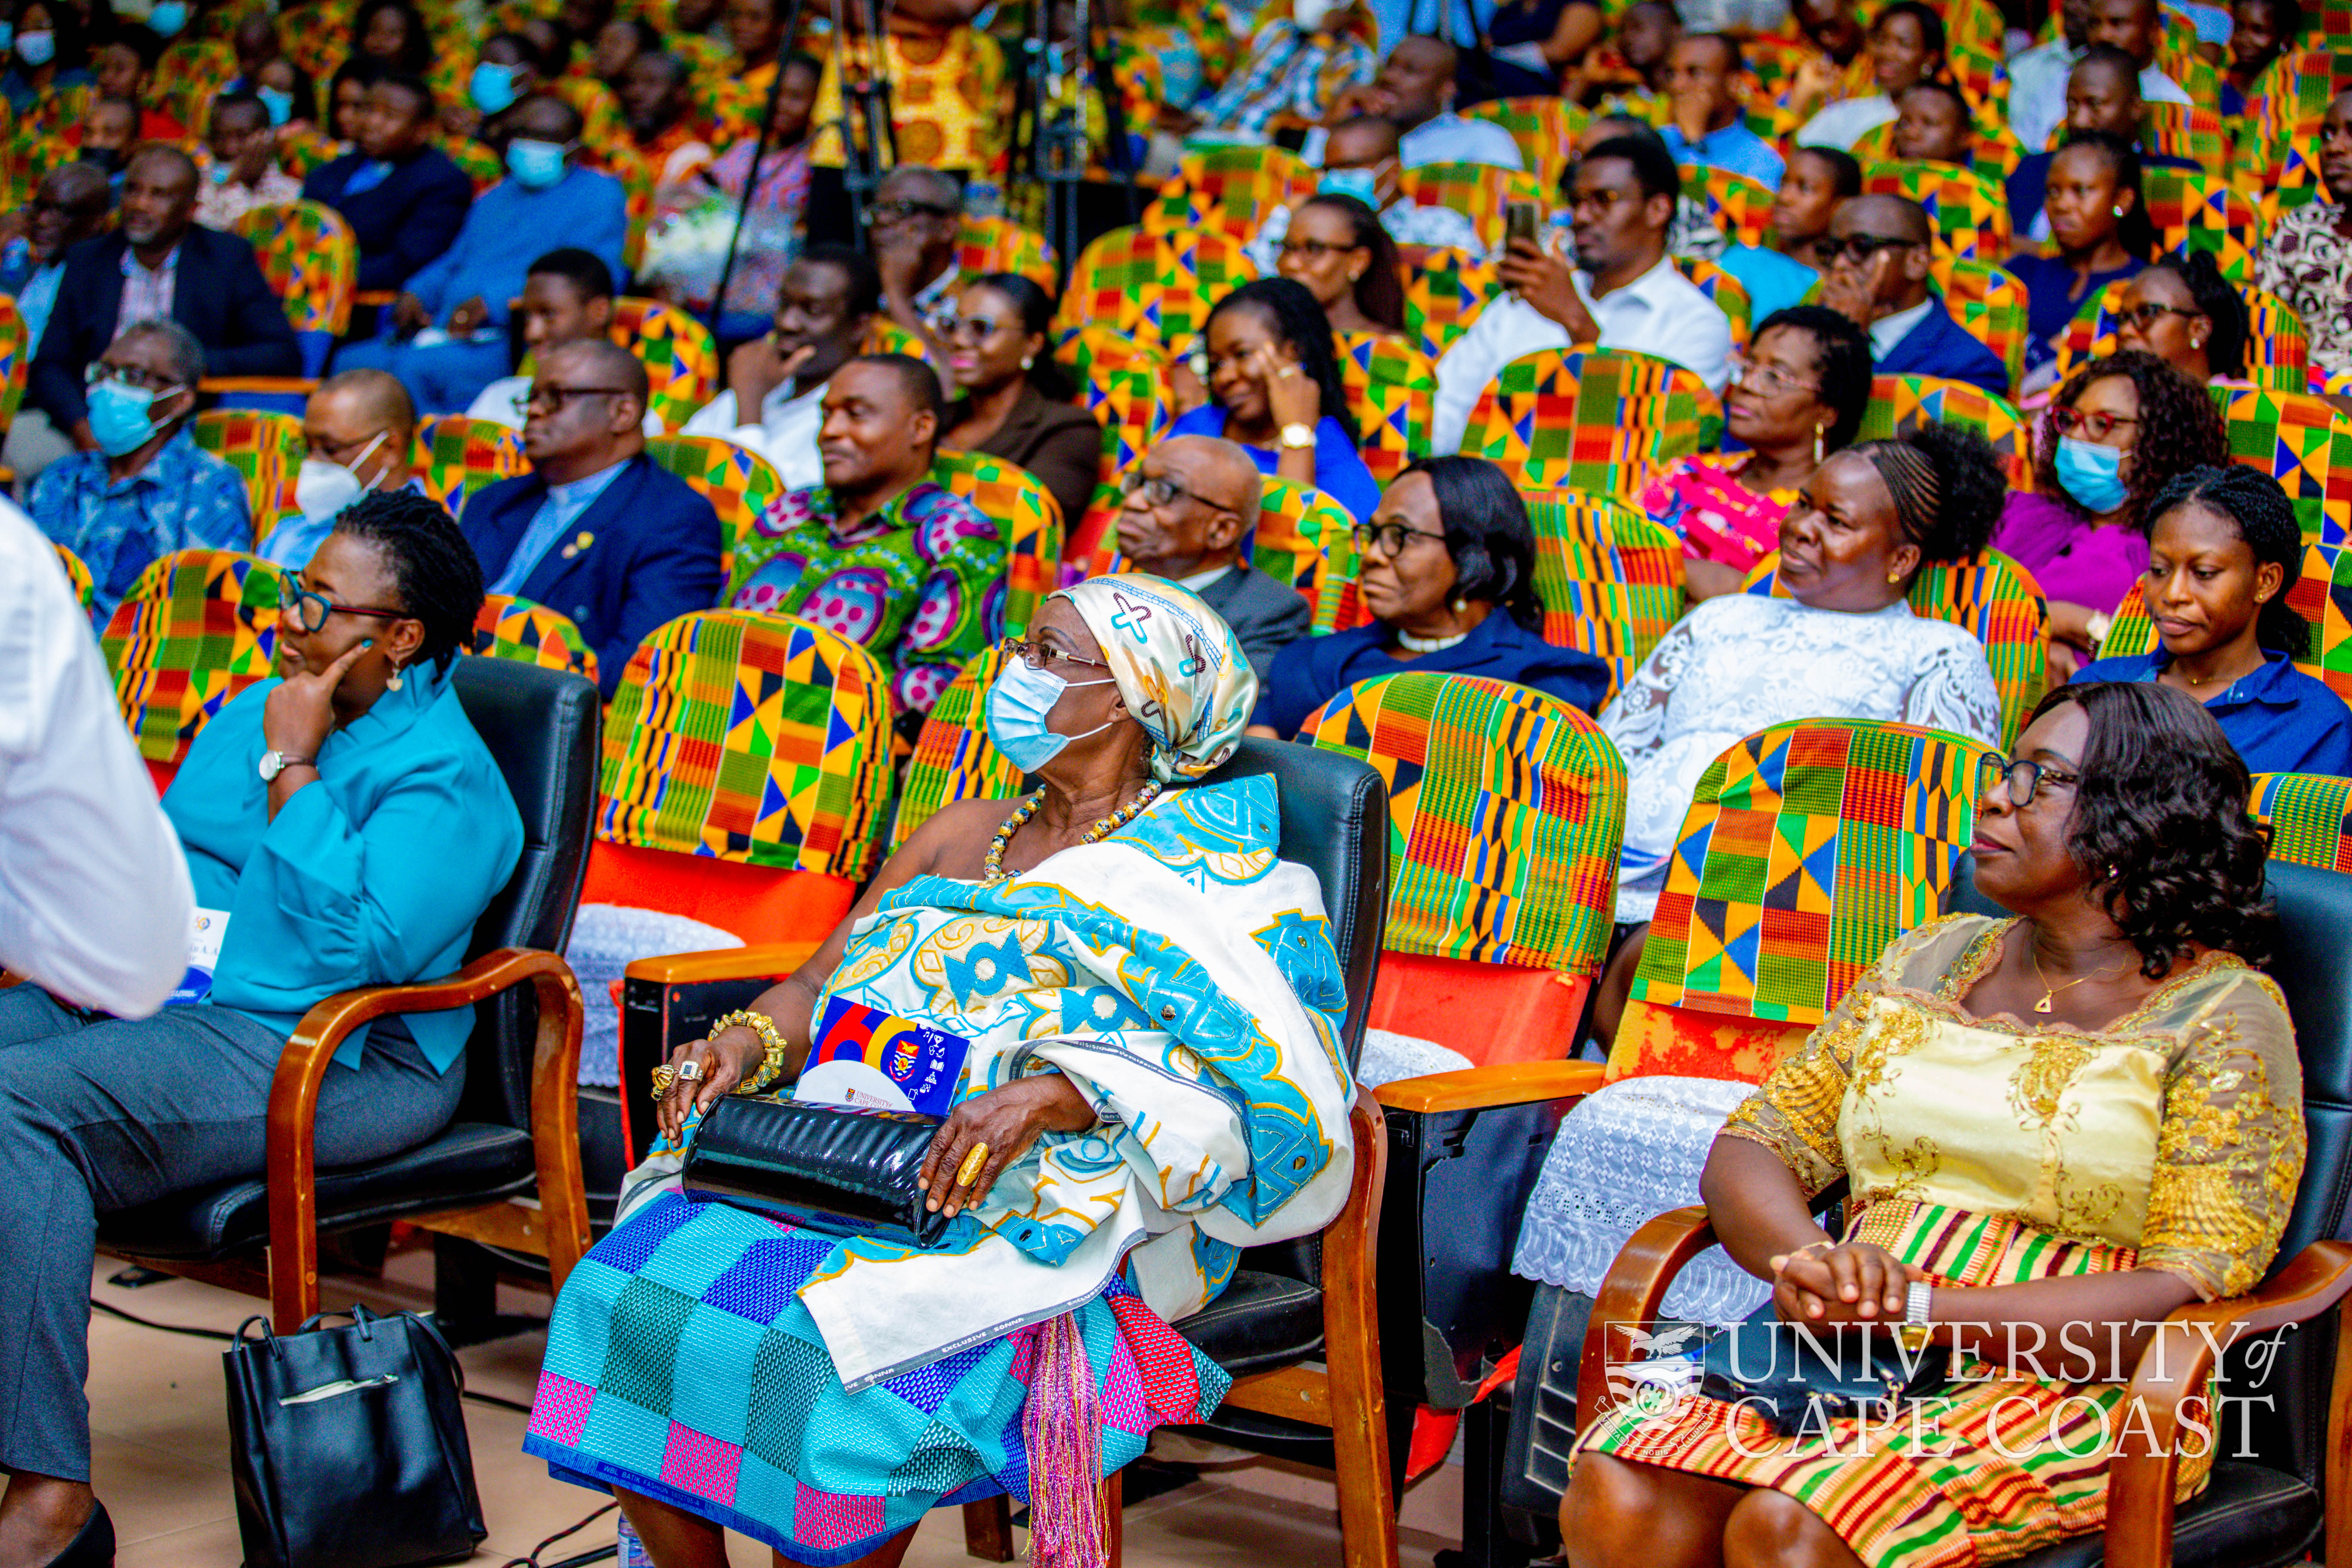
(348, 1444)
(841, 1169)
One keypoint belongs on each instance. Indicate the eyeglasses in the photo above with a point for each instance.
(308, 611)
(1859, 249)
(555, 397)
(130, 376)
(1769, 379)
(1158, 491)
(1388, 537)
(899, 212)
(2147, 312)
(1314, 249)
(2091, 427)
(1044, 655)
(978, 329)
(2023, 775)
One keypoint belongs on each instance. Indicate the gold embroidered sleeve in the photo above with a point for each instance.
(2230, 1150)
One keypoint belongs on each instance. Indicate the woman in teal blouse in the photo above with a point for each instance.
(343, 827)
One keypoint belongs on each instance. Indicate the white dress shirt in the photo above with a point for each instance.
(94, 895)
(1888, 331)
(785, 435)
(1661, 313)
(1844, 122)
(1446, 138)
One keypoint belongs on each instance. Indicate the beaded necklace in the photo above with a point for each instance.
(992, 869)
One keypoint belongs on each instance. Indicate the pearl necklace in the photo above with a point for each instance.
(1413, 644)
(992, 869)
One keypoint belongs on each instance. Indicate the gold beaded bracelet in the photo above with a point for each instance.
(771, 1065)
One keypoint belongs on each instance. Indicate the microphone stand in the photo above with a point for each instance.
(751, 180)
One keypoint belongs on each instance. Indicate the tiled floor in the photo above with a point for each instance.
(160, 1438)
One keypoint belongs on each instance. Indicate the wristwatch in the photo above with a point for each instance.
(1297, 437)
(1915, 1329)
(276, 762)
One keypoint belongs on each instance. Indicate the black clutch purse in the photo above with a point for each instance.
(840, 1169)
(1782, 1374)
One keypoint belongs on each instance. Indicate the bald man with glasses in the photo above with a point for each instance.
(1876, 264)
(1186, 508)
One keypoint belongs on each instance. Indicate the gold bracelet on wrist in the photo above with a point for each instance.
(772, 1064)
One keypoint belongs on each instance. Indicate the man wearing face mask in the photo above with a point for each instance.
(1360, 160)
(238, 168)
(158, 266)
(357, 431)
(829, 300)
(448, 331)
(403, 196)
(145, 489)
(109, 130)
(68, 208)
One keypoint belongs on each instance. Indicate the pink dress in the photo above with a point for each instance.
(1701, 500)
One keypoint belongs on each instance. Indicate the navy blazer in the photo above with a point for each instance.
(1939, 345)
(401, 224)
(219, 295)
(652, 555)
(1313, 670)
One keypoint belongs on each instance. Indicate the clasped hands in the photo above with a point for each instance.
(1842, 1282)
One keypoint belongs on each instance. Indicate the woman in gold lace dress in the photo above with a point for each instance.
(2074, 1122)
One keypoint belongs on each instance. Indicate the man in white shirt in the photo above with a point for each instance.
(1415, 89)
(829, 300)
(567, 298)
(2037, 77)
(94, 894)
(1623, 292)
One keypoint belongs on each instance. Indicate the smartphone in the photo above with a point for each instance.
(1523, 220)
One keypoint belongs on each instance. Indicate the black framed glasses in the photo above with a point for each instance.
(553, 398)
(2147, 312)
(1040, 655)
(1314, 249)
(130, 375)
(2024, 777)
(900, 211)
(1158, 490)
(309, 610)
(1390, 538)
(1859, 249)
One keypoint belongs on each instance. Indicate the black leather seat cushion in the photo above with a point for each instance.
(469, 1162)
(2250, 1516)
(1261, 1320)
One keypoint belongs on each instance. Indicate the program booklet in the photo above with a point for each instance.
(864, 1056)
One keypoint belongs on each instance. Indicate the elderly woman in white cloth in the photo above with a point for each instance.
(1152, 1002)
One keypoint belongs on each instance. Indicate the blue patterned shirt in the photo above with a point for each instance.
(184, 499)
(1288, 69)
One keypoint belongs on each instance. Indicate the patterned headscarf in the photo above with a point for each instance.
(1179, 668)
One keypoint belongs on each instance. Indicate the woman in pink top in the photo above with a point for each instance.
(1797, 396)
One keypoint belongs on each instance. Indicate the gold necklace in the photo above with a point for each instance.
(993, 867)
(2049, 992)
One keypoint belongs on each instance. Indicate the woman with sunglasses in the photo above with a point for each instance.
(2224, 552)
(1795, 397)
(343, 827)
(1447, 569)
(2057, 1128)
(2187, 314)
(1012, 400)
(2114, 435)
(1337, 246)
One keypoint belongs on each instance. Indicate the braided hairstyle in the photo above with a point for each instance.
(1298, 322)
(1947, 486)
(433, 570)
(1380, 292)
(2179, 429)
(2225, 349)
(2266, 521)
(2160, 826)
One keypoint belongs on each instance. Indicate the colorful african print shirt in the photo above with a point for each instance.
(2308, 264)
(920, 583)
(1701, 500)
(1289, 70)
(943, 98)
(184, 499)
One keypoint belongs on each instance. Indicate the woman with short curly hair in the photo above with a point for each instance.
(2117, 432)
(2055, 1131)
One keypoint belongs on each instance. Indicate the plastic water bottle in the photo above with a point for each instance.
(633, 1554)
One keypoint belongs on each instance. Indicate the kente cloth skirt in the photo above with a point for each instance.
(682, 1367)
(2009, 1465)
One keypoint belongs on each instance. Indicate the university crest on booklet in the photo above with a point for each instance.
(864, 1056)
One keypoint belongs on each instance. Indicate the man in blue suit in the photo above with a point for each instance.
(404, 198)
(1878, 277)
(596, 530)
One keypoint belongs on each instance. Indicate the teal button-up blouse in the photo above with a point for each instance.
(373, 874)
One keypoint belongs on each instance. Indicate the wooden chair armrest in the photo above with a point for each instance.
(376, 297)
(760, 960)
(2174, 1366)
(302, 1068)
(1504, 1083)
(1352, 1346)
(302, 384)
(1630, 1296)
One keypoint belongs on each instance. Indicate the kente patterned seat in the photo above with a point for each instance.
(78, 578)
(1807, 848)
(1030, 516)
(1230, 190)
(1545, 129)
(1988, 303)
(1970, 212)
(1610, 580)
(1997, 601)
(531, 632)
(954, 758)
(2191, 130)
(1124, 385)
(740, 484)
(267, 451)
(747, 767)
(1442, 296)
(2322, 596)
(2202, 212)
(458, 455)
(1479, 190)
(307, 252)
(480, 165)
(680, 358)
(1393, 388)
(1000, 244)
(1740, 207)
(1507, 809)
(1589, 419)
(196, 629)
(888, 337)
(15, 360)
(2278, 355)
(1898, 403)
(2309, 816)
(1302, 537)
(1728, 293)
(2303, 443)
(1154, 288)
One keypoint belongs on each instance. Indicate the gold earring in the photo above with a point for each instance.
(1817, 444)
(1895, 576)
(391, 681)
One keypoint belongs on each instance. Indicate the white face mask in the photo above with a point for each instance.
(322, 489)
(1312, 14)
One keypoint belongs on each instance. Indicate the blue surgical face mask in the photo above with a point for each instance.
(1018, 701)
(37, 49)
(535, 164)
(7, 36)
(121, 417)
(2091, 474)
(168, 17)
(1360, 184)
(492, 87)
(279, 102)
(221, 172)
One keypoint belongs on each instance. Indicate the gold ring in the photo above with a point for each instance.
(968, 1172)
(690, 1070)
(664, 1076)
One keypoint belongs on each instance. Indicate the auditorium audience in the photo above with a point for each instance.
(612, 47)
(1012, 400)
(123, 62)
(2306, 254)
(1877, 276)
(1797, 395)
(2260, 31)
(1446, 566)
(391, 35)
(2102, 94)
(882, 553)
(663, 129)
(1934, 125)
(915, 230)
(238, 168)
(567, 298)
(1415, 90)
(47, 58)
(358, 431)
(824, 311)
(1906, 47)
(2101, 233)
(404, 198)
(1184, 510)
(71, 204)
(2038, 76)
(1784, 269)
(1645, 37)
(2188, 315)
(1273, 378)
(347, 92)
(1360, 160)
(1708, 124)
(596, 530)
(109, 130)
(2116, 435)
(1296, 70)
(339, 854)
(1343, 256)
(2224, 552)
